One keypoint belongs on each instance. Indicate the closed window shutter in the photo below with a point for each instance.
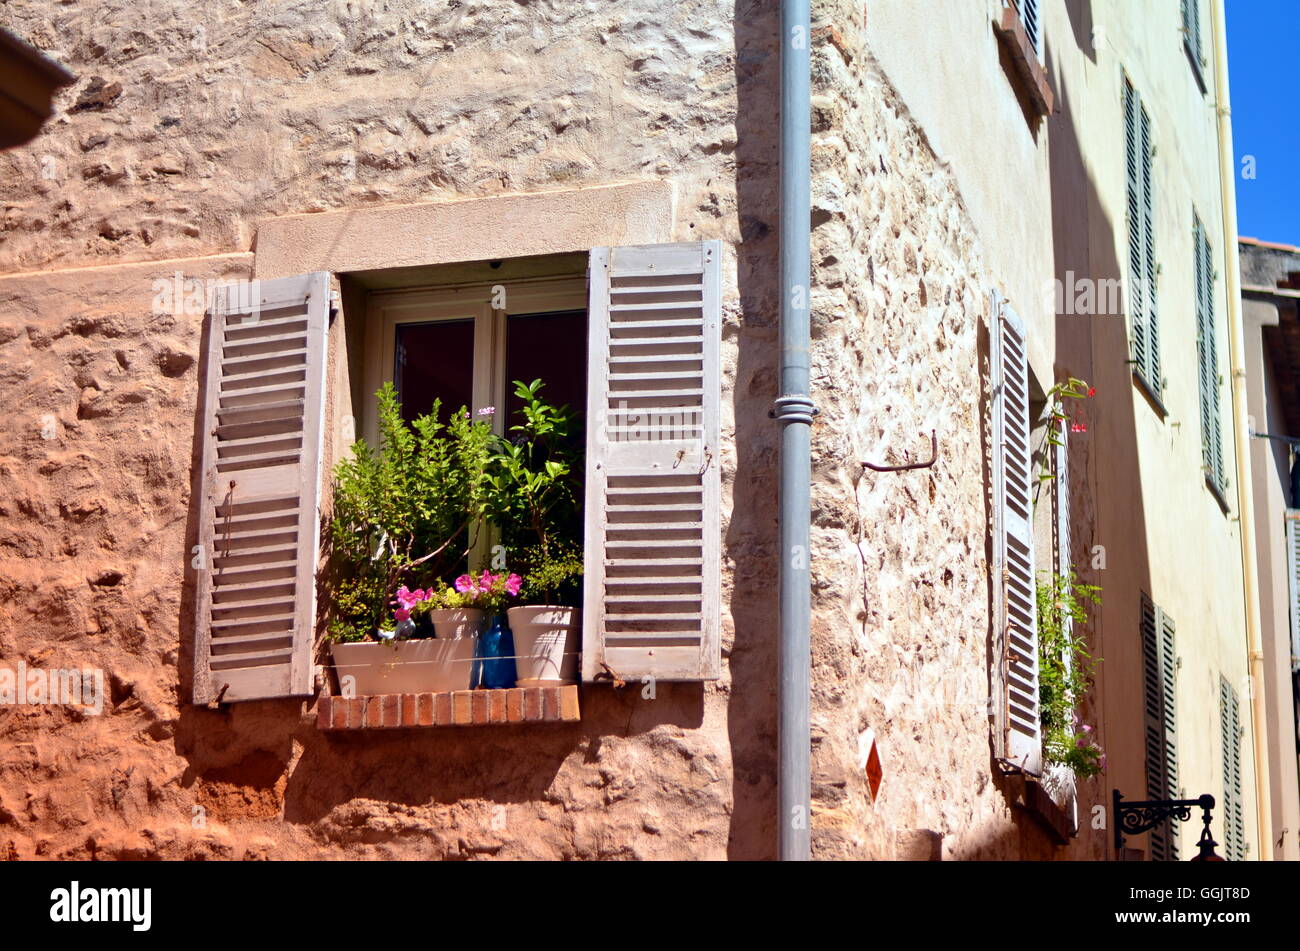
(1214, 456)
(653, 516)
(1064, 560)
(1208, 361)
(1234, 824)
(1159, 668)
(1061, 465)
(1293, 579)
(1019, 726)
(259, 505)
(1149, 254)
(1137, 262)
(1192, 27)
(1030, 17)
(1141, 240)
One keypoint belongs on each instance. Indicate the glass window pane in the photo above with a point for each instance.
(435, 361)
(552, 347)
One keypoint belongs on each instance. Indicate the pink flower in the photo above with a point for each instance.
(513, 584)
(402, 614)
(1102, 761)
(465, 584)
(1087, 728)
(1081, 742)
(409, 599)
(485, 582)
(487, 411)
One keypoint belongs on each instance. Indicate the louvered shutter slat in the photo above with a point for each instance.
(1234, 825)
(1159, 672)
(1020, 728)
(1137, 261)
(262, 435)
(1153, 367)
(1293, 578)
(653, 514)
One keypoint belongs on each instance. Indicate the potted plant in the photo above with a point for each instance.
(407, 658)
(490, 593)
(406, 513)
(546, 632)
(536, 485)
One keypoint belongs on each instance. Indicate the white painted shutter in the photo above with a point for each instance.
(259, 504)
(1160, 666)
(1030, 17)
(1017, 623)
(653, 519)
(1192, 27)
(1293, 579)
(1234, 822)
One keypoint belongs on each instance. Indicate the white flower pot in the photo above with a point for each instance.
(546, 643)
(427, 665)
(459, 622)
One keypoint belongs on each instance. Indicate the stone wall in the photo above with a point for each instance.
(189, 125)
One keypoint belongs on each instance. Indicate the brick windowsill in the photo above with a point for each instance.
(457, 708)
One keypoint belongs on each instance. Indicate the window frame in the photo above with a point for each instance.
(388, 308)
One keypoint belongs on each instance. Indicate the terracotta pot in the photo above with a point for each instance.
(546, 643)
(418, 666)
(459, 622)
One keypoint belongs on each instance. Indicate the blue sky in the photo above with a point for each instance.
(1263, 49)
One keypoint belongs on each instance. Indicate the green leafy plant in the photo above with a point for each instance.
(1055, 416)
(405, 512)
(1065, 672)
(535, 485)
(553, 576)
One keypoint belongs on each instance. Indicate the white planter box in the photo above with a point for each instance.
(428, 665)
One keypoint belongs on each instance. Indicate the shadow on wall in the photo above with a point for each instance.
(1106, 490)
(751, 536)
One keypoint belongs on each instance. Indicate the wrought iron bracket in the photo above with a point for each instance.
(1134, 818)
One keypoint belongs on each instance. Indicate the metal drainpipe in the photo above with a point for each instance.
(1245, 503)
(794, 409)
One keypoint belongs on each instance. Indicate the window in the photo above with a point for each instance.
(1207, 361)
(1234, 824)
(1159, 669)
(1144, 325)
(637, 343)
(1192, 39)
(1018, 730)
(453, 344)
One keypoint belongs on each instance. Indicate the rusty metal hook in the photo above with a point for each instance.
(934, 457)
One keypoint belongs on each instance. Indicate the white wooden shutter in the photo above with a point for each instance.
(1017, 623)
(653, 519)
(1293, 579)
(1030, 17)
(1159, 670)
(1234, 823)
(1192, 28)
(1145, 326)
(259, 504)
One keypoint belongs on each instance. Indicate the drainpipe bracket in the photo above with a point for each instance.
(794, 408)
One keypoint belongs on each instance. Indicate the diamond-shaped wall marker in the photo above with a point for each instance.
(869, 762)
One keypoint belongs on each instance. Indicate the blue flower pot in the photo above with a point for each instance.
(496, 655)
